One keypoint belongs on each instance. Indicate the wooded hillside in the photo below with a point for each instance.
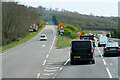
(15, 21)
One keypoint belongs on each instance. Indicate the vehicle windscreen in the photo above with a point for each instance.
(81, 47)
(112, 45)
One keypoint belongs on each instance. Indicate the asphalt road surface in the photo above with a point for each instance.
(41, 59)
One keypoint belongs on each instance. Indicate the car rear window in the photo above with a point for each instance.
(42, 36)
(81, 44)
(112, 45)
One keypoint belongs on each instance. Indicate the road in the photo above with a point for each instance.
(41, 59)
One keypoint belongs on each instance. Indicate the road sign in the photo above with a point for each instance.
(61, 30)
(61, 27)
(58, 25)
(79, 33)
(62, 33)
(40, 25)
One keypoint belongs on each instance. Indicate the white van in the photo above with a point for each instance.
(102, 41)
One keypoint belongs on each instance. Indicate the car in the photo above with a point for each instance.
(111, 48)
(43, 37)
(82, 50)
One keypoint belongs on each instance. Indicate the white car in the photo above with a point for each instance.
(43, 37)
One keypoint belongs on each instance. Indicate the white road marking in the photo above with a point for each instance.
(101, 55)
(104, 62)
(46, 70)
(38, 75)
(52, 67)
(109, 73)
(48, 74)
(53, 43)
(44, 62)
(47, 56)
(66, 62)
(43, 45)
(61, 68)
(49, 51)
(57, 73)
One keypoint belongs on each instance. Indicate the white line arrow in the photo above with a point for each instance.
(43, 45)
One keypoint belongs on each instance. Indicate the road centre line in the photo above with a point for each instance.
(109, 73)
(104, 62)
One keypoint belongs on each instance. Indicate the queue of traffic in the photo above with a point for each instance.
(82, 50)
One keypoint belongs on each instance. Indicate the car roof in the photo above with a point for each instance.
(81, 40)
(43, 35)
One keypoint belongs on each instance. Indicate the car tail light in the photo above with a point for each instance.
(106, 48)
(118, 48)
(91, 49)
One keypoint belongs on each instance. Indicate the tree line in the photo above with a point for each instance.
(15, 21)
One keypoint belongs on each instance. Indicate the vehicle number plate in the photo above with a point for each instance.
(76, 56)
(112, 48)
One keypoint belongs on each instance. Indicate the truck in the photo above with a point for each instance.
(102, 41)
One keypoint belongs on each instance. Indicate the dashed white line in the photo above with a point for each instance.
(47, 56)
(66, 62)
(109, 73)
(38, 75)
(49, 51)
(104, 62)
(44, 62)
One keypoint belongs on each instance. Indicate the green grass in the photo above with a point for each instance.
(28, 37)
(63, 42)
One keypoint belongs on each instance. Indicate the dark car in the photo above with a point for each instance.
(112, 48)
(82, 50)
(88, 37)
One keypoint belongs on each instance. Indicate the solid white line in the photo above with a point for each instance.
(53, 43)
(109, 73)
(47, 56)
(38, 75)
(104, 62)
(44, 62)
(66, 62)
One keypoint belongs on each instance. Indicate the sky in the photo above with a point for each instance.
(95, 7)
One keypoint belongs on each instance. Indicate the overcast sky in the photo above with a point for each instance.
(96, 7)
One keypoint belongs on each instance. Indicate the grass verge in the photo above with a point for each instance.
(63, 42)
(28, 37)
